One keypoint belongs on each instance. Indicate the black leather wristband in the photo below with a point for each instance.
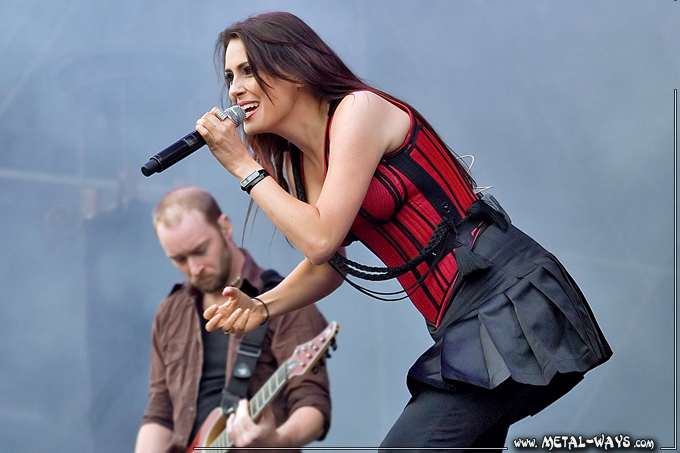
(249, 181)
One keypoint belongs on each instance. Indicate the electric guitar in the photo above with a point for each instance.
(213, 432)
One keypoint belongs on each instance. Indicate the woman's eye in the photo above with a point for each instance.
(247, 70)
(228, 77)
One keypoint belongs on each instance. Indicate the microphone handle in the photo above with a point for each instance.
(189, 143)
(173, 153)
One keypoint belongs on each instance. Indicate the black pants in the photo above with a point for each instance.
(470, 416)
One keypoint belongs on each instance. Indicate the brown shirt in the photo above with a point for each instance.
(177, 360)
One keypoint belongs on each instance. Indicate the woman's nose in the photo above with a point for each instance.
(236, 89)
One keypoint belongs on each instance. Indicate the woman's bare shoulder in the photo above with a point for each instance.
(369, 113)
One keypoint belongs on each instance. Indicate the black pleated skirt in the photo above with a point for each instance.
(524, 318)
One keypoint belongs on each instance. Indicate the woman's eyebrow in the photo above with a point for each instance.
(239, 67)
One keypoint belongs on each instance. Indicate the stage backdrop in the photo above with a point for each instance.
(566, 106)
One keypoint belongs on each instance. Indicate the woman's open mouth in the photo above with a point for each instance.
(250, 107)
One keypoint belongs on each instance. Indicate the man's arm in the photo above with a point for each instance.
(305, 425)
(311, 390)
(155, 433)
(152, 438)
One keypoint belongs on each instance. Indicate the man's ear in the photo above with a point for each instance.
(225, 226)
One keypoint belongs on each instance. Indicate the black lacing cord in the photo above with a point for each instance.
(372, 273)
(344, 266)
(468, 262)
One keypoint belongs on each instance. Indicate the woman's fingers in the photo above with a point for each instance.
(213, 322)
(210, 312)
(233, 316)
(218, 316)
(238, 327)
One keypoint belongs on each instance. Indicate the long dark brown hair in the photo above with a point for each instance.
(281, 45)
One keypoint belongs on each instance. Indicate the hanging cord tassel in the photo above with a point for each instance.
(469, 263)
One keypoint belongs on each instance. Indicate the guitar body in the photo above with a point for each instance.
(214, 424)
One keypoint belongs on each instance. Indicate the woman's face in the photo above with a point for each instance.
(265, 111)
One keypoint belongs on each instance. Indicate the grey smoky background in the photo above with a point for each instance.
(567, 108)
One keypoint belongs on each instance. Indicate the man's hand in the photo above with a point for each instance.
(244, 432)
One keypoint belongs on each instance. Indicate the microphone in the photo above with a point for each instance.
(188, 144)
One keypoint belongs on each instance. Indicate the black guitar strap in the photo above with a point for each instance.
(248, 352)
(236, 388)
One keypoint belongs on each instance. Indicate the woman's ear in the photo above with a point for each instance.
(297, 81)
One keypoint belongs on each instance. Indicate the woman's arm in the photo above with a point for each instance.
(306, 284)
(365, 127)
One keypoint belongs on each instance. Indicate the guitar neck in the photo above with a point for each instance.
(258, 402)
(268, 391)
